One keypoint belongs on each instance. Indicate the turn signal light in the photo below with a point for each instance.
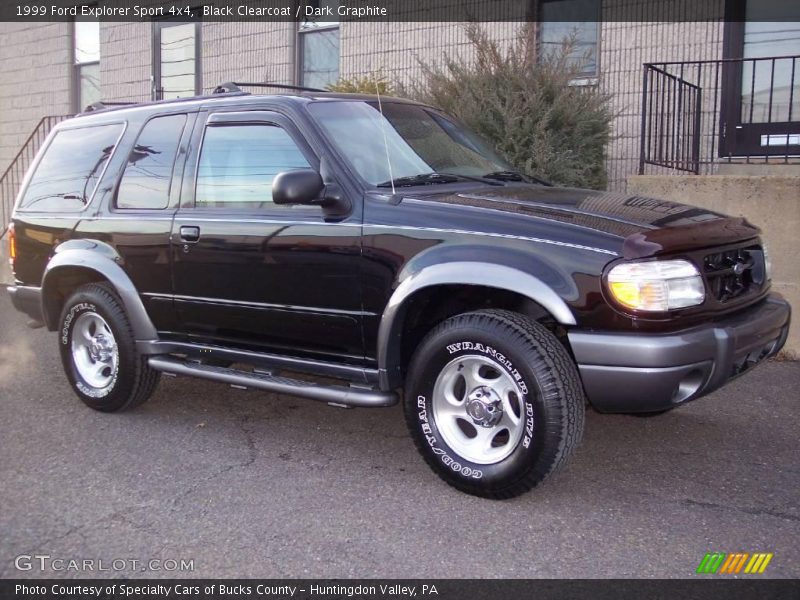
(12, 245)
(658, 285)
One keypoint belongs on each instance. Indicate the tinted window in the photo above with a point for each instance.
(71, 168)
(148, 175)
(239, 162)
(416, 141)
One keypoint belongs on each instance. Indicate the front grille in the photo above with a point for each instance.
(734, 273)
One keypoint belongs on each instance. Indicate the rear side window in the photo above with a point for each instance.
(148, 175)
(71, 168)
(239, 162)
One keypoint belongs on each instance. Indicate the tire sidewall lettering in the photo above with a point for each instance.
(456, 465)
(441, 453)
(73, 312)
(490, 351)
(66, 337)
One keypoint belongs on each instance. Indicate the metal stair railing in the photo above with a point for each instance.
(13, 175)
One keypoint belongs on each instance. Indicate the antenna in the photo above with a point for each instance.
(385, 141)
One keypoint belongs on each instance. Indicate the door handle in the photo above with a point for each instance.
(189, 233)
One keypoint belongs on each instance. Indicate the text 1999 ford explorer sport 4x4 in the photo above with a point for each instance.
(241, 237)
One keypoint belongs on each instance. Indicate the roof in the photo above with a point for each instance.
(292, 95)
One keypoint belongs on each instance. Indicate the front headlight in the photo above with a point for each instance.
(657, 285)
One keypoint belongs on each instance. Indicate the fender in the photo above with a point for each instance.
(460, 272)
(104, 260)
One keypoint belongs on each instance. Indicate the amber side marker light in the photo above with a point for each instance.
(12, 245)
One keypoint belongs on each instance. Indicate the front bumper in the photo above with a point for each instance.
(638, 372)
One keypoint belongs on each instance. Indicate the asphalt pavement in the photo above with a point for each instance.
(248, 484)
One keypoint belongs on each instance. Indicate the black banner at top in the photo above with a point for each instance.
(326, 11)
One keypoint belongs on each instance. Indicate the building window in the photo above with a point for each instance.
(176, 60)
(769, 88)
(760, 111)
(86, 58)
(318, 45)
(571, 21)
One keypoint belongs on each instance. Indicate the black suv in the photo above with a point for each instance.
(377, 242)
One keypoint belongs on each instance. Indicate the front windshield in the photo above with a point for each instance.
(415, 140)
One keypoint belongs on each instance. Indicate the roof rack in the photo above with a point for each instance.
(234, 87)
(103, 104)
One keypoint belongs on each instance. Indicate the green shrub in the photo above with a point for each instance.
(367, 84)
(527, 106)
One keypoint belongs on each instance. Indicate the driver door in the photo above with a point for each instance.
(252, 274)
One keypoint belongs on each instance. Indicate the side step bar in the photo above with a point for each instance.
(340, 395)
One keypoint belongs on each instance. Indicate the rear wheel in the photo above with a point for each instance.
(494, 403)
(98, 351)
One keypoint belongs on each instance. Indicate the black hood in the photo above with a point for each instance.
(648, 226)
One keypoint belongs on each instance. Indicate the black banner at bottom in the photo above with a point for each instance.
(395, 589)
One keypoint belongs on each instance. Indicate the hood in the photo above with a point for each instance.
(647, 226)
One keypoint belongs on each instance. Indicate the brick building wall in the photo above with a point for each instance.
(35, 80)
(39, 55)
(125, 61)
(624, 48)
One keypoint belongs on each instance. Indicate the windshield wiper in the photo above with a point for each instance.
(515, 176)
(431, 179)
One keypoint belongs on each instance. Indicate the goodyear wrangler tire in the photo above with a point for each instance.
(494, 403)
(98, 351)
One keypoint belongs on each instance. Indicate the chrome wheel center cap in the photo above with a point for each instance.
(101, 348)
(484, 406)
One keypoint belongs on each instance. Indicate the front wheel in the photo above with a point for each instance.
(494, 403)
(98, 351)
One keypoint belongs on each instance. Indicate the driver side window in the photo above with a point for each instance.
(239, 162)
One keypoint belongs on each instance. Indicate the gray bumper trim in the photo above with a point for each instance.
(633, 372)
(28, 300)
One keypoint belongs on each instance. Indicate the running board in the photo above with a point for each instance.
(333, 394)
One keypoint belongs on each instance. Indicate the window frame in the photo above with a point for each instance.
(584, 78)
(256, 118)
(157, 90)
(46, 148)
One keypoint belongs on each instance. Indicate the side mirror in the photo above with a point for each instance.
(301, 186)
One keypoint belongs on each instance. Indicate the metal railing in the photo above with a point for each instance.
(13, 175)
(697, 114)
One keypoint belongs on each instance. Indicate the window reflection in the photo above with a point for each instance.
(147, 177)
(86, 57)
(71, 168)
(403, 140)
(770, 89)
(239, 162)
(319, 46)
(574, 21)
